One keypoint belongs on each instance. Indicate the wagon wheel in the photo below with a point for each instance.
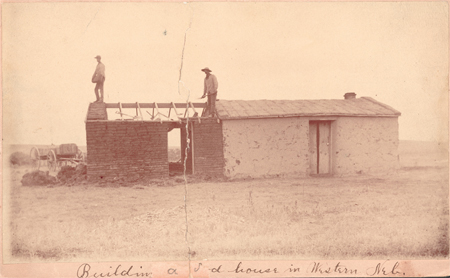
(35, 158)
(51, 161)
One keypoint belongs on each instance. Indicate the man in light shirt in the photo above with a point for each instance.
(210, 90)
(99, 79)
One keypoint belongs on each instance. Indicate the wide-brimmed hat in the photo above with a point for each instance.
(206, 70)
(98, 56)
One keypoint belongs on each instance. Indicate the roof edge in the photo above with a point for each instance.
(398, 113)
(305, 116)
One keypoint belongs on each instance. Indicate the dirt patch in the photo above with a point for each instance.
(72, 175)
(38, 178)
(68, 175)
(170, 181)
(199, 178)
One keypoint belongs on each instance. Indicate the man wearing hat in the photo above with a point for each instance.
(210, 90)
(99, 79)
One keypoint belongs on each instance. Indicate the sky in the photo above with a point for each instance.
(394, 52)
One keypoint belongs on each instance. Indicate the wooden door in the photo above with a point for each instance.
(320, 147)
(313, 157)
(324, 147)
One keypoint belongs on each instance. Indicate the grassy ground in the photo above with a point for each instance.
(403, 215)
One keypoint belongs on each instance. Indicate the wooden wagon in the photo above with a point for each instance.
(56, 157)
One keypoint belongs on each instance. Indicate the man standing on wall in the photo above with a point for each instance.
(210, 90)
(99, 78)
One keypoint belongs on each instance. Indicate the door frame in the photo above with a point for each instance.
(330, 146)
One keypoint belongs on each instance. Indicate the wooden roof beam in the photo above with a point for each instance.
(120, 111)
(152, 105)
(195, 112)
(140, 112)
(176, 112)
(193, 109)
(157, 111)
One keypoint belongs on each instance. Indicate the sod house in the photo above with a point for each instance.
(253, 138)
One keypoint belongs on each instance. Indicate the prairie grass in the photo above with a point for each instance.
(398, 216)
(395, 217)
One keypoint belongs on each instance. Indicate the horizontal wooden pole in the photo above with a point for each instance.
(152, 105)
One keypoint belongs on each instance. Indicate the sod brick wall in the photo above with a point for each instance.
(208, 147)
(97, 111)
(126, 149)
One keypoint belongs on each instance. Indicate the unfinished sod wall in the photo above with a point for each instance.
(208, 147)
(136, 149)
(126, 149)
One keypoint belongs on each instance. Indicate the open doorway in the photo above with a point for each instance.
(178, 152)
(174, 152)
